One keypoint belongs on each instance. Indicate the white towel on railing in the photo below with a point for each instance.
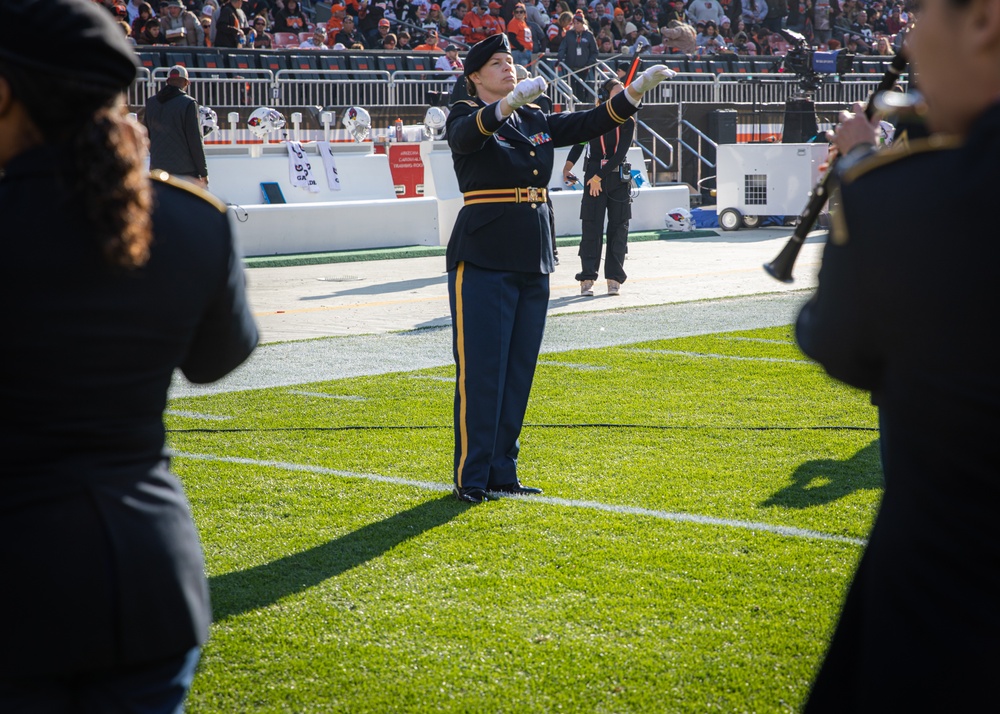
(300, 172)
(332, 177)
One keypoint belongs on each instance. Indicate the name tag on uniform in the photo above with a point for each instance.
(539, 138)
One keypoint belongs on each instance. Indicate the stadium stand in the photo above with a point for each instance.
(274, 62)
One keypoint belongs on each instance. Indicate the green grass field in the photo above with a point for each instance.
(705, 504)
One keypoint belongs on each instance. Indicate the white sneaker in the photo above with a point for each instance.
(586, 287)
(614, 287)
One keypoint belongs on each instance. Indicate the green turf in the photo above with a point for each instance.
(334, 592)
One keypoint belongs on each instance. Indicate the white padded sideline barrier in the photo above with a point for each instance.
(365, 213)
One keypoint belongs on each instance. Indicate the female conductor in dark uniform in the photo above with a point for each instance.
(500, 253)
(110, 280)
(605, 194)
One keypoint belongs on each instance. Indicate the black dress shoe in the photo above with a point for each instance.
(471, 495)
(515, 487)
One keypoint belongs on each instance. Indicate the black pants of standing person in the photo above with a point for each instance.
(615, 203)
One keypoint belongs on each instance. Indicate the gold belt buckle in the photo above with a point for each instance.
(534, 194)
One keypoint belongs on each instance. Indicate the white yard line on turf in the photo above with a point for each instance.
(572, 503)
(323, 395)
(709, 355)
(196, 415)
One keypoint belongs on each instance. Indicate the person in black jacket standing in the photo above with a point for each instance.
(175, 136)
(112, 279)
(606, 193)
(499, 256)
(578, 51)
(232, 26)
(904, 307)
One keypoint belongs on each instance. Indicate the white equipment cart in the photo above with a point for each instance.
(755, 180)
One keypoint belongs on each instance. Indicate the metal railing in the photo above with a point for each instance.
(657, 164)
(701, 139)
(559, 91)
(222, 88)
(332, 87)
(409, 87)
(231, 88)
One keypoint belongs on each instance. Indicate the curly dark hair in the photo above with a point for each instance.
(104, 160)
(109, 171)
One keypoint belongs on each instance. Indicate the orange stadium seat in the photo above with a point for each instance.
(285, 39)
(273, 62)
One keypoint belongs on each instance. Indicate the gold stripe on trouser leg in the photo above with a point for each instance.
(463, 427)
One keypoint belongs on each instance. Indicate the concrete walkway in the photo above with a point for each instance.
(329, 321)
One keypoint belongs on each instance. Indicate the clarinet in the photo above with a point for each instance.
(781, 267)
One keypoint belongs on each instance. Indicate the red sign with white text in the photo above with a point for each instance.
(407, 170)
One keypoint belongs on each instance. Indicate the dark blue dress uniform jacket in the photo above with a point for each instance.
(907, 307)
(491, 155)
(102, 567)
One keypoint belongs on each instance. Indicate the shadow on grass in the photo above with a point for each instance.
(398, 286)
(239, 592)
(837, 479)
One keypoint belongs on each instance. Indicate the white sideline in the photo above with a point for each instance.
(196, 415)
(572, 503)
(572, 365)
(324, 395)
(710, 355)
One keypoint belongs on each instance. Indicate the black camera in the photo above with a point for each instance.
(810, 65)
(625, 171)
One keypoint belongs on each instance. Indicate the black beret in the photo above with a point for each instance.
(482, 51)
(83, 44)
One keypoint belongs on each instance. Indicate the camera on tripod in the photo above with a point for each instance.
(810, 65)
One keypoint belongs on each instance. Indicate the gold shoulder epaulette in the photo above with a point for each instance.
(938, 142)
(467, 101)
(191, 188)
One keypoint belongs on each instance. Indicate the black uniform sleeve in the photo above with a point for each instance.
(574, 153)
(227, 333)
(470, 124)
(574, 127)
(834, 327)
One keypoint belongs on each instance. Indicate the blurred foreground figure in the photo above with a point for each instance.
(110, 280)
(905, 308)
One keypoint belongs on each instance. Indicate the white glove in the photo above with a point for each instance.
(527, 90)
(651, 77)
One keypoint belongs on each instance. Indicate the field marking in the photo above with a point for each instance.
(573, 365)
(322, 395)
(755, 526)
(196, 415)
(711, 355)
(428, 485)
(760, 339)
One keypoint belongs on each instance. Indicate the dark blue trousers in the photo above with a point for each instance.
(498, 319)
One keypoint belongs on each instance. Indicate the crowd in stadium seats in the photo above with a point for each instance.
(695, 28)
